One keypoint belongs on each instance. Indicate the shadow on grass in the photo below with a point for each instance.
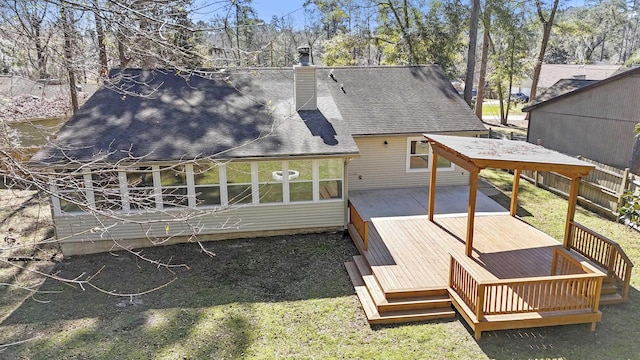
(243, 273)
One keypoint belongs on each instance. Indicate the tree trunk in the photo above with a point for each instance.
(482, 77)
(471, 54)
(547, 24)
(68, 57)
(102, 50)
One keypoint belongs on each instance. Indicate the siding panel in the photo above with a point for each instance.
(384, 167)
(244, 219)
(597, 124)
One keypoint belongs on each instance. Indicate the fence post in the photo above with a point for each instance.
(623, 187)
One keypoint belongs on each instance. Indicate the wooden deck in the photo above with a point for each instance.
(414, 269)
(413, 253)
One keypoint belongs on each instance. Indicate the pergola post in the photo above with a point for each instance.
(571, 209)
(514, 192)
(471, 211)
(432, 184)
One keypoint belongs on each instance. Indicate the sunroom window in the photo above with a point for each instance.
(239, 183)
(106, 190)
(270, 180)
(173, 181)
(140, 188)
(300, 180)
(206, 178)
(330, 179)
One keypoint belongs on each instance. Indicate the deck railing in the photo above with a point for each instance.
(605, 253)
(525, 295)
(362, 226)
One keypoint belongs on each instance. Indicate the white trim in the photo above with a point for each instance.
(157, 188)
(124, 193)
(429, 156)
(222, 177)
(191, 186)
(255, 184)
(315, 176)
(286, 198)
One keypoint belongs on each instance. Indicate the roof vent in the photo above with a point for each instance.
(304, 55)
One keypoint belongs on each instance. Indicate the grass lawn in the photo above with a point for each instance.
(493, 109)
(280, 297)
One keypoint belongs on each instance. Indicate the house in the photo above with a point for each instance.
(595, 119)
(158, 157)
(552, 73)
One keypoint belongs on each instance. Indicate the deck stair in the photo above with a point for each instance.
(406, 306)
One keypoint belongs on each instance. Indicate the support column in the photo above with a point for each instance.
(571, 209)
(514, 192)
(432, 185)
(471, 211)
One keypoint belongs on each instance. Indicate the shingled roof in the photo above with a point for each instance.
(569, 87)
(398, 100)
(159, 115)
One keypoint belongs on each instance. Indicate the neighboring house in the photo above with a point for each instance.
(244, 153)
(550, 74)
(592, 119)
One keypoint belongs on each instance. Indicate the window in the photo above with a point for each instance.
(173, 181)
(140, 188)
(330, 179)
(206, 179)
(418, 153)
(106, 190)
(71, 191)
(301, 180)
(239, 183)
(270, 179)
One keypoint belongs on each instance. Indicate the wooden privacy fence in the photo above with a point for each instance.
(601, 191)
(605, 253)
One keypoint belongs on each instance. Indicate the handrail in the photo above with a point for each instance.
(362, 226)
(524, 295)
(604, 252)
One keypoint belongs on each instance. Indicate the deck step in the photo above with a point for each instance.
(412, 301)
(609, 288)
(390, 317)
(609, 299)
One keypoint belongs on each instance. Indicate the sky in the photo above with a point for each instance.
(266, 9)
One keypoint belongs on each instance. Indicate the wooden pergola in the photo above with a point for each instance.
(475, 154)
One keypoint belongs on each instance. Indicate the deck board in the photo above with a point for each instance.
(413, 253)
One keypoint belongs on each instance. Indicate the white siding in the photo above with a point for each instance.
(252, 218)
(383, 166)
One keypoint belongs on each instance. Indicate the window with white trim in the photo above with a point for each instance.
(270, 182)
(330, 179)
(300, 180)
(140, 190)
(71, 191)
(106, 190)
(206, 178)
(173, 181)
(239, 182)
(418, 155)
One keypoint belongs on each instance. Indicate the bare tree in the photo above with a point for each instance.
(547, 25)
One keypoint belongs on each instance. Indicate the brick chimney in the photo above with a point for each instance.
(305, 82)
